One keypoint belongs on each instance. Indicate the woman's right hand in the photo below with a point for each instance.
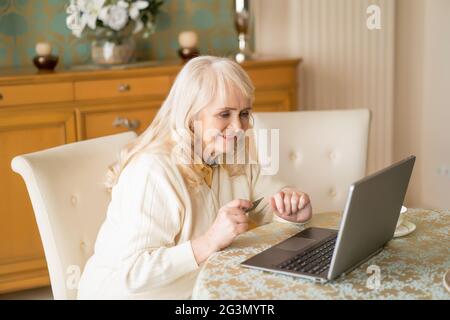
(231, 221)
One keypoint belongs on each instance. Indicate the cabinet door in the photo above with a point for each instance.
(35, 93)
(274, 100)
(122, 87)
(103, 120)
(22, 260)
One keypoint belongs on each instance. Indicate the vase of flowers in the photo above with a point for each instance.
(111, 26)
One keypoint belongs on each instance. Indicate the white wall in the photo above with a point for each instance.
(435, 142)
(345, 65)
(401, 72)
(422, 85)
(409, 81)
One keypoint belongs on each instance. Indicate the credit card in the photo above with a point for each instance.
(254, 204)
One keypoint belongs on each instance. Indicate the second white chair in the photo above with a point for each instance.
(320, 152)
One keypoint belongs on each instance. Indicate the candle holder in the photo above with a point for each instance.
(47, 63)
(243, 18)
(44, 60)
(188, 41)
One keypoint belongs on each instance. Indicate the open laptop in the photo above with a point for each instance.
(369, 221)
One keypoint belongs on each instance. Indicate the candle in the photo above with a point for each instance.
(43, 48)
(188, 39)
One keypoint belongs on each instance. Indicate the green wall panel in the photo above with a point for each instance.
(23, 23)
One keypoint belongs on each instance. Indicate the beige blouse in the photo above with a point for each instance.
(143, 248)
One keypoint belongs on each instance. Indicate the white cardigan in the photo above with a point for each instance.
(143, 249)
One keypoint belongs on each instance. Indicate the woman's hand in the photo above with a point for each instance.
(292, 205)
(231, 221)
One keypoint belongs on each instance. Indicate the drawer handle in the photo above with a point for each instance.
(124, 122)
(1, 97)
(124, 87)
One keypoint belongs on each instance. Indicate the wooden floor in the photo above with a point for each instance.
(33, 294)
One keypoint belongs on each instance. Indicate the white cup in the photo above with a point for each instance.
(401, 218)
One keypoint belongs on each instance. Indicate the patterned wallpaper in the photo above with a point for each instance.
(23, 23)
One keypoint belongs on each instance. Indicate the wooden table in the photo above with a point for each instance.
(410, 267)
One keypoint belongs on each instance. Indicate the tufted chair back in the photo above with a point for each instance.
(320, 152)
(69, 200)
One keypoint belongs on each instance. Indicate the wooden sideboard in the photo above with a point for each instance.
(39, 111)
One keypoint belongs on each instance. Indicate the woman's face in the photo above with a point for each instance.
(221, 124)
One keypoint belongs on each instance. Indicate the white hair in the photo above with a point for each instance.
(199, 83)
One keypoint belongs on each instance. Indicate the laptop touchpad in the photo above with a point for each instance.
(295, 243)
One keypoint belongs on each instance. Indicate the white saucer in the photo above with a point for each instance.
(446, 280)
(405, 228)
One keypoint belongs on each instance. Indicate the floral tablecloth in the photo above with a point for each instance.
(410, 267)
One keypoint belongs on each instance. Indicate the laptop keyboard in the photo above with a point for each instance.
(313, 261)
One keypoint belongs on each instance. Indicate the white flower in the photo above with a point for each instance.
(122, 4)
(73, 20)
(136, 7)
(138, 27)
(103, 15)
(116, 17)
(91, 10)
(114, 14)
(75, 25)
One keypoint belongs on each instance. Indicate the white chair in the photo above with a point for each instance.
(321, 152)
(69, 200)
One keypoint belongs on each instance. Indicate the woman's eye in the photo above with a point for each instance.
(245, 114)
(224, 114)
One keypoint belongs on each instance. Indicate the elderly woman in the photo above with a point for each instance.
(174, 202)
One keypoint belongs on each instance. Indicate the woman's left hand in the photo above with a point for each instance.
(292, 205)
